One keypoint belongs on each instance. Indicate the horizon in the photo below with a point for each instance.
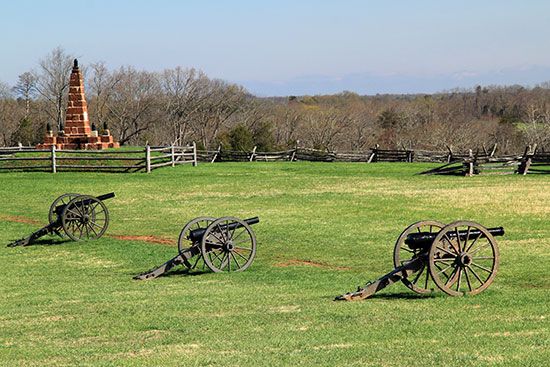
(284, 48)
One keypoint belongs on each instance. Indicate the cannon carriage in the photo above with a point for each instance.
(225, 244)
(460, 258)
(78, 217)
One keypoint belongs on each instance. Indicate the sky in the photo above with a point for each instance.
(295, 47)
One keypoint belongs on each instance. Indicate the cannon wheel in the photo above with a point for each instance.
(473, 260)
(85, 218)
(228, 250)
(183, 241)
(61, 200)
(419, 282)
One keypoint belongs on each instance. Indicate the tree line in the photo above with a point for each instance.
(180, 105)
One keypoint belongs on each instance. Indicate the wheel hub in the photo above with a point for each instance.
(229, 246)
(464, 259)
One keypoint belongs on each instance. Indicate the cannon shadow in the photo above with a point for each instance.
(182, 272)
(48, 242)
(402, 295)
(186, 272)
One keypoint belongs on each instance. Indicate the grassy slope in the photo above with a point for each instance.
(75, 303)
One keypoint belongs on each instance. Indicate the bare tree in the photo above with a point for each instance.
(287, 121)
(223, 100)
(101, 84)
(52, 82)
(132, 103)
(8, 114)
(26, 88)
(185, 93)
(362, 132)
(323, 127)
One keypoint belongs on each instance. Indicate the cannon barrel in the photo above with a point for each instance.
(59, 208)
(196, 235)
(425, 239)
(106, 196)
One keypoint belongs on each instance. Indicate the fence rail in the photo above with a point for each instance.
(133, 160)
(315, 155)
(152, 157)
(530, 161)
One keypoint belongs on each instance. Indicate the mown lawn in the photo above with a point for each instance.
(325, 229)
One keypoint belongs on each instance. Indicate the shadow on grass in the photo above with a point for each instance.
(179, 272)
(405, 295)
(185, 272)
(402, 295)
(47, 242)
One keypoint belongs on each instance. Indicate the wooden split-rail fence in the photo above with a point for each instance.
(112, 160)
(150, 157)
(531, 161)
(316, 155)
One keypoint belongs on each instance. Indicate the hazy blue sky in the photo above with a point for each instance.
(293, 47)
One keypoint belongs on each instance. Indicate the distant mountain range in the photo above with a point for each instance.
(372, 83)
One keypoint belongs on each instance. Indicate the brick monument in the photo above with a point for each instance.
(77, 133)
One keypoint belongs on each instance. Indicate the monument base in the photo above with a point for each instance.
(79, 142)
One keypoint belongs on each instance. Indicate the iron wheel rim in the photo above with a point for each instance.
(468, 258)
(421, 282)
(60, 200)
(228, 250)
(184, 243)
(85, 218)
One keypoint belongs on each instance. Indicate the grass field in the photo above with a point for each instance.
(325, 229)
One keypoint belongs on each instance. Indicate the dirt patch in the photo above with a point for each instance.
(296, 262)
(150, 239)
(18, 219)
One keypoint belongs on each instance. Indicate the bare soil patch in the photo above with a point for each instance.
(18, 219)
(150, 239)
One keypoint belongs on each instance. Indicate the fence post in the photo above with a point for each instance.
(450, 156)
(216, 154)
(172, 156)
(148, 158)
(493, 151)
(54, 166)
(471, 163)
(374, 154)
(195, 162)
(253, 154)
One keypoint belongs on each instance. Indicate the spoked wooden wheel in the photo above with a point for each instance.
(184, 243)
(228, 245)
(85, 218)
(61, 200)
(419, 282)
(469, 252)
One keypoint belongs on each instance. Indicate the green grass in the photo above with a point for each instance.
(76, 303)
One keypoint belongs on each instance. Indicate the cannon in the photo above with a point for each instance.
(79, 217)
(223, 244)
(460, 258)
